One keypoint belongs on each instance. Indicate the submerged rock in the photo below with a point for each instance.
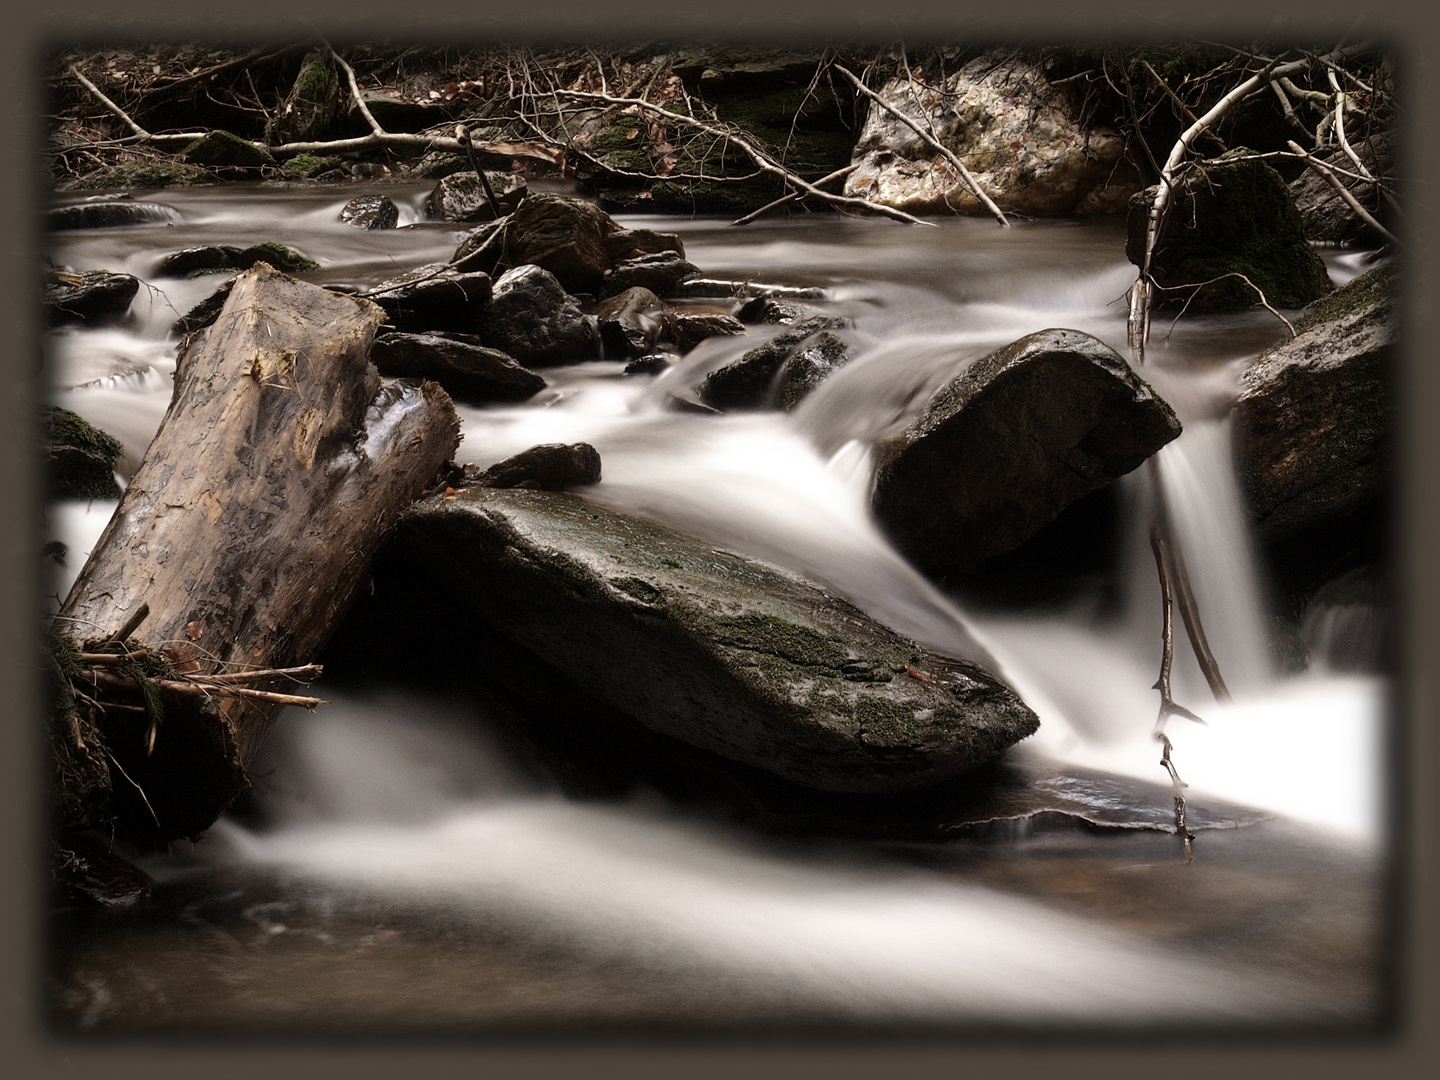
(533, 319)
(94, 298)
(712, 648)
(106, 215)
(1232, 217)
(747, 383)
(1022, 139)
(547, 467)
(469, 373)
(630, 322)
(808, 366)
(1011, 441)
(659, 272)
(434, 297)
(1315, 417)
(371, 212)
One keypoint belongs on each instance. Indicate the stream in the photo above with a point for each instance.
(400, 868)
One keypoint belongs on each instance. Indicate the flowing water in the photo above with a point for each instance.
(407, 870)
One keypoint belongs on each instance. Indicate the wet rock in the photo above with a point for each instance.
(713, 649)
(438, 164)
(1235, 217)
(459, 196)
(191, 260)
(688, 327)
(808, 366)
(88, 873)
(533, 319)
(371, 212)
(482, 248)
(312, 106)
(141, 175)
(747, 383)
(659, 273)
(277, 255)
(203, 313)
(222, 149)
(770, 309)
(469, 373)
(653, 364)
(564, 236)
(79, 458)
(313, 167)
(434, 297)
(625, 244)
(94, 298)
(107, 215)
(1325, 216)
(630, 322)
(1315, 417)
(1004, 446)
(1021, 138)
(547, 467)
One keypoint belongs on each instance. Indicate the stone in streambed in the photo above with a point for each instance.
(469, 373)
(564, 236)
(659, 272)
(547, 467)
(94, 298)
(1315, 418)
(371, 212)
(107, 215)
(630, 322)
(714, 649)
(746, 383)
(79, 457)
(532, 318)
(459, 196)
(1011, 441)
(434, 297)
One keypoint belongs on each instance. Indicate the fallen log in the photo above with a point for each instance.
(283, 460)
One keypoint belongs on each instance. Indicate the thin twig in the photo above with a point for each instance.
(1340, 189)
(137, 787)
(794, 195)
(121, 113)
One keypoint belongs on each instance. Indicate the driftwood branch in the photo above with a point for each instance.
(930, 140)
(794, 196)
(760, 158)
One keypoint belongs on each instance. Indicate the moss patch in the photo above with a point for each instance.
(309, 166)
(80, 458)
(278, 256)
(223, 149)
(149, 174)
(779, 637)
(1369, 295)
(883, 720)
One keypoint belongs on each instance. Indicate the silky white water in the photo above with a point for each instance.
(408, 802)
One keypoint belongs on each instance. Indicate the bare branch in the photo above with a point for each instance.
(1344, 193)
(140, 132)
(794, 195)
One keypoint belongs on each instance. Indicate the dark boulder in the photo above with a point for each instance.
(711, 648)
(1232, 217)
(459, 196)
(191, 260)
(469, 373)
(1315, 417)
(630, 322)
(79, 457)
(547, 467)
(808, 366)
(222, 149)
(434, 297)
(1008, 443)
(204, 313)
(107, 215)
(659, 273)
(688, 327)
(625, 244)
(275, 254)
(533, 319)
(371, 212)
(654, 364)
(482, 248)
(747, 383)
(769, 309)
(564, 236)
(94, 298)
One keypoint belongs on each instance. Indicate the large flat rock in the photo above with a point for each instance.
(1011, 441)
(715, 649)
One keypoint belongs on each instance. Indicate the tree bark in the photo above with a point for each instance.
(282, 462)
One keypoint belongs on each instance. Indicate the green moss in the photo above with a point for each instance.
(1369, 295)
(80, 457)
(278, 256)
(778, 637)
(638, 588)
(223, 148)
(149, 174)
(309, 166)
(884, 720)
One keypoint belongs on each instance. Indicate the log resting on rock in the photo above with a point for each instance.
(715, 649)
(282, 462)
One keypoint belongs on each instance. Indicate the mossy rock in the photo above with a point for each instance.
(310, 109)
(1232, 216)
(310, 166)
(222, 149)
(79, 457)
(278, 256)
(143, 174)
(438, 164)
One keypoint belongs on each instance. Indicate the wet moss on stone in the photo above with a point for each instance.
(224, 148)
(149, 174)
(278, 256)
(80, 458)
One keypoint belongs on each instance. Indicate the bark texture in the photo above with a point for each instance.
(283, 460)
